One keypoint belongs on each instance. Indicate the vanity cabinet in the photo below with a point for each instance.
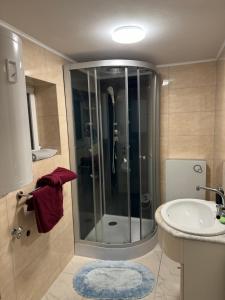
(202, 261)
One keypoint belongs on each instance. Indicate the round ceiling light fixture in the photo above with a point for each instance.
(128, 34)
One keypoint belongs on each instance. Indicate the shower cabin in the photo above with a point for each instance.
(113, 121)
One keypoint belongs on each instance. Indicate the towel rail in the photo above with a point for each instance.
(21, 195)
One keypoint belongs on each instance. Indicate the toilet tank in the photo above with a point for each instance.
(182, 177)
(15, 149)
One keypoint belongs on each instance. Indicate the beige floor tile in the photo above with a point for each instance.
(149, 297)
(76, 263)
(167, 298)
(152, 260)
(166, 273)
(169, 279)
(62, 289)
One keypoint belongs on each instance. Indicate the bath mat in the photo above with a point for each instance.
(110, 280)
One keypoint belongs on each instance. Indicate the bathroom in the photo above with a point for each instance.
(140, 123)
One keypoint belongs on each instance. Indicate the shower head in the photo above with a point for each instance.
(111, 93)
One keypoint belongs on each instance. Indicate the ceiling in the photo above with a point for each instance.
(176, 30)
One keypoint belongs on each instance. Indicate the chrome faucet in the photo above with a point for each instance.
(220, 192)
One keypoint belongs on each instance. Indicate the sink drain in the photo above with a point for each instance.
(112, 223)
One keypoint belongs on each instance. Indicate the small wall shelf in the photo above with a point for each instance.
(48, 134)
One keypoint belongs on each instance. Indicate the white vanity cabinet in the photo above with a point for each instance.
(202, 260)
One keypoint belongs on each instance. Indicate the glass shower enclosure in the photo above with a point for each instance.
(113, 113)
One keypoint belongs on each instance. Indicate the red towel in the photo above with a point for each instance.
(58, 177)
(47, 200)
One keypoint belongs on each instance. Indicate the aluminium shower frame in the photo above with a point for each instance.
(97, 249)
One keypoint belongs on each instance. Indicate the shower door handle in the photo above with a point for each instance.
(143, 157)
(92, 176)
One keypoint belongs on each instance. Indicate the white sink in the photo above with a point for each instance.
(193, 216)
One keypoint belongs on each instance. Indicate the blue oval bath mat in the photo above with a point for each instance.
(111, 280)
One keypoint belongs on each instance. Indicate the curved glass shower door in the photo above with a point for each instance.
(113, 104)
(114, 116)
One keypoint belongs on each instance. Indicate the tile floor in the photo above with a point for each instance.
(166, 272)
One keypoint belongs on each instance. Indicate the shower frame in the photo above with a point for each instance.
(97, 249)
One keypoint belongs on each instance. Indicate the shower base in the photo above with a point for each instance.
(118, 232)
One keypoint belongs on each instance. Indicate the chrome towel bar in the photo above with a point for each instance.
(21, 195)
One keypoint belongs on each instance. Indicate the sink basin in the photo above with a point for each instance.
(193, 216)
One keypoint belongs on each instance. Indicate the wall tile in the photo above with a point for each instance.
(219, 149)
(210, 179)
(164, 103)
(42, 167)
(219, 140)
(220, 72)
(190, 147)
(164, 74)
(8, 292)
(65, 245)
(218, 175)
(46, 103)
(164, 141)
(4, 228)
(61, 97)
(48, 131)
(187, 121)
(192, 75)
(33, 59)
(36, 278)
(63, 134)
(191, 109)
(196, 123)
(25, 250)
(219, 124)
(7, 284)
(220, 98)
(198, 99)
(164, 122)
(32, 263)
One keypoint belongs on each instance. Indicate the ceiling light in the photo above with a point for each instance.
(128, 34)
